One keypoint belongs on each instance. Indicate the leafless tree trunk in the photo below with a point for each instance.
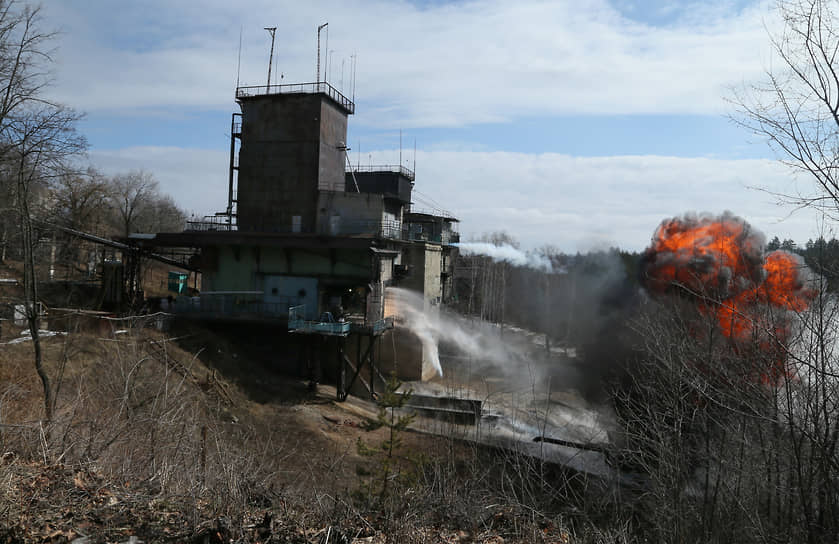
(30, 286)
(35, 138)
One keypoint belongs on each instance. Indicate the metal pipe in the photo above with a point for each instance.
(271, 30)
(317, 77)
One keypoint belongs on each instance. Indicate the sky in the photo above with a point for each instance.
(581, 125)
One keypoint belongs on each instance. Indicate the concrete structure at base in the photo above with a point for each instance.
(303, 233)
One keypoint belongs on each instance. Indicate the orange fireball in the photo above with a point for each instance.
(719, 262)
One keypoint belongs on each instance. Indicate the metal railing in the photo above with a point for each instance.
(212, 222)
(298, 88)
(234, 305)
(383, 229)
(446, 237)
(394, 168)
(434, 212)
(382, 325)
(297, 322)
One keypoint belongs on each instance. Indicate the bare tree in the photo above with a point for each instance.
(161, 215)
(139, 206)
(36, 137)
(797, 108)
(131, 194)
(80, 200)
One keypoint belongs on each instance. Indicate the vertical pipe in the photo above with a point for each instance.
(232, 163)
(317, 77)
(342, 371)
(372, 367)
(326, 68)
(239, 63)
(272, 30)
(355, 62)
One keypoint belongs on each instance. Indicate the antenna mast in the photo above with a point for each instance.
(271, 30)
(317, 77)
(355, 59)
(239, 64)
(328, 60)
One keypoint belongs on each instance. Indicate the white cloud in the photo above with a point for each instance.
(442, 65)
(576, 203)
(446, 65)
(585, 202)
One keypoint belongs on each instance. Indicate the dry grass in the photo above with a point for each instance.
(164, 440)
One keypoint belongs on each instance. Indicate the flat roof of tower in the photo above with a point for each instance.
(322, 87)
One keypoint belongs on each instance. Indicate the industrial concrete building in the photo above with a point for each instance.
(311, 242)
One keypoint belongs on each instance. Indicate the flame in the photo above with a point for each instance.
(719, 262)
(712, 257)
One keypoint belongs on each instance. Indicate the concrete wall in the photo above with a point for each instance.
(284, 290)
(425, 262)
(401, 352)
(243, 268)
(289, 150)
(350, 213)
(392, 184)
(333, 137)
(404, 353)
(433, 288)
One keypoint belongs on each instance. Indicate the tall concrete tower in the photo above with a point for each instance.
(293, 141)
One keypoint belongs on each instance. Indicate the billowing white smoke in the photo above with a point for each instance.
(432, 326)
(505, 253)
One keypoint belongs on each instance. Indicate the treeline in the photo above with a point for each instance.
(822, 256)
(563, 298)
(567, 299)
(87, 201)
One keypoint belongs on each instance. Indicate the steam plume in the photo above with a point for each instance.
(478, 340)
(505, 253)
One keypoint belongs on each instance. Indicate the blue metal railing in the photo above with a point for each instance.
(382, 325)
(298, 323)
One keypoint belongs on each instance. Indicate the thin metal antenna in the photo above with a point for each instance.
(271, 30)
(359, 153)
(239, 64)
(326, 68)
(355, 63)
(415, 157)
(400, 149)
(352, 73)
(276, 62)
(317, 77)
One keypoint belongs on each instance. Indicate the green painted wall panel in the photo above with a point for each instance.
(245, 272)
